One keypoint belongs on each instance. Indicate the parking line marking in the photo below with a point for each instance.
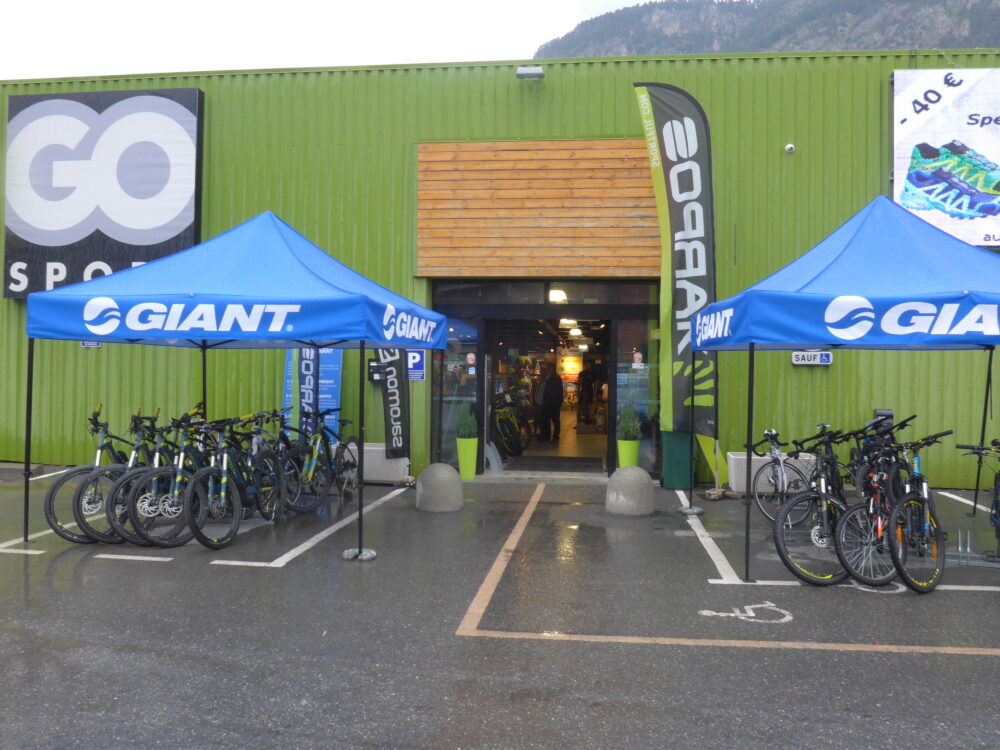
(962, 500)
(37, 534)
(725, 643)
(474, 615)
(23, 551)
(286, 558)
(753, 583)
(141, 558)
(726, 572)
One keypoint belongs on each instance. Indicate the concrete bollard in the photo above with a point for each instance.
(439, 488)
(630, 492)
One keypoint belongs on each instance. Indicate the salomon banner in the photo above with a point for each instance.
(396, 401)
(947, 145)
(677, 140)
(97, 182)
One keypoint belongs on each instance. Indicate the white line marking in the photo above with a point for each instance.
(960, 499)
(23, 551)
(754, 583)
(310, 543)
(141, 558)
(51, 474)
(37, 534)
(959, 587)
(726, 572)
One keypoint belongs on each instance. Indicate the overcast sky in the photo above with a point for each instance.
(61, 39)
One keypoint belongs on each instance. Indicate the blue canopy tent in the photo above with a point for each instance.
(258, 285)
(886, 279)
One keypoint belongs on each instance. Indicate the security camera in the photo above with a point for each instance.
(790, 148)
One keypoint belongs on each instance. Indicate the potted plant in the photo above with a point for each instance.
(467, 439)
(628, 437)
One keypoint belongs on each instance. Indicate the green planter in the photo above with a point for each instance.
(467, 449)
(628, 453)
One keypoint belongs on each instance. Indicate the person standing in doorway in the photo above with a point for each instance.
(552, 398)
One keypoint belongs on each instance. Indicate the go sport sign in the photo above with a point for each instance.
(854, 320)
(98, 182)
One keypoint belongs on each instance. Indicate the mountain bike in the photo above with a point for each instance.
(59, 498)
(871, 442)
(916, 540)
(219, 496)
(777, 480)
(93, 494)
(861, 537)
(804, 525)
(329, 459)
(506, 427)
(156, 499)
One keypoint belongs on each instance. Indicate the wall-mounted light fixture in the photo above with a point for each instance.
(557, 295)
(575, 332)
(530, 72)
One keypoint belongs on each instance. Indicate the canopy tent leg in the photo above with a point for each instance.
(747, 489)
(27, 430)
(691, 509)
(982, 431)
(360, 553)
(204, 379)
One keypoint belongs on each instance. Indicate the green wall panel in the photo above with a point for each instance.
(333, 152)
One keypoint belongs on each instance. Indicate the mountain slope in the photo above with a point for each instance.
(689, 27)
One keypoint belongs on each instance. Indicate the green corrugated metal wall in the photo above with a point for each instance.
(333, 153)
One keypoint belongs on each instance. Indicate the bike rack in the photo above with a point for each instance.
(963, 554)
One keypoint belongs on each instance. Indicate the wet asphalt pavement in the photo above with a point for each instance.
(582, 630)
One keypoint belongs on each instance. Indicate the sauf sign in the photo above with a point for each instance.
(98, 182)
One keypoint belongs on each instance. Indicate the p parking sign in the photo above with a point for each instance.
(415, 369)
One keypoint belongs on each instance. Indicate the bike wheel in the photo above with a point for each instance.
(346, 465)
(269, 479)
(807, 548)
(771, 489)
(508, 437)
(899, 477)
(863, 482)
(862, 542)
(315, 486)
(525, 433)
(59, 504)
(116, 507)
(91, 500)
(213, 507)
(917, 552)
(156, 507)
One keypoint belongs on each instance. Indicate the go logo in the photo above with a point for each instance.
(129, 171)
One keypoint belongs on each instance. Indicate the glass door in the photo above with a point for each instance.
(636, 384)
(456, 374)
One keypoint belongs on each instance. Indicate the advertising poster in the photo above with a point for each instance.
(96, 182)
(946, 149)
(314, 382)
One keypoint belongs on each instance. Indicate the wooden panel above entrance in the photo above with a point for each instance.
(536, 209)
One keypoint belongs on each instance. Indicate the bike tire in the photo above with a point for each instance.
(862, 544)
(117, 507)
(807, 548)
(346, 460)
(314, 489)
(767, 492)
(918, 553)
(268, 476)
(213, 507)
(90, 503)
(58, 504)
(899, 477)
(509, 437)
(156, 511)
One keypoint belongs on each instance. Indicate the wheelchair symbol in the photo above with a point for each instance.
(770, 613)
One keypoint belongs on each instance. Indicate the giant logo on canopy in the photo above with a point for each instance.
(98, 182)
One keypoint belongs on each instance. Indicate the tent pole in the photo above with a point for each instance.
(27, 429)
(746, 487)
(982, 431)
(691, 509)
(204, 379)
(361, 446)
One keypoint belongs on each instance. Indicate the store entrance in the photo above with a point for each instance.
(548, 379)
(600, 338)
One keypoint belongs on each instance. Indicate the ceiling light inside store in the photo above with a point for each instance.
(575, 332)
(567, 322)
(557, 295)
(584, 347)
